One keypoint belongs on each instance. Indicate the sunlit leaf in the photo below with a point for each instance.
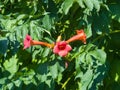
(99, 55)
(10, 86)
(67, 5)
(11, 65)
(86, 79)
(47, 22)
(80, 2)
(96, 4)
(89, 4)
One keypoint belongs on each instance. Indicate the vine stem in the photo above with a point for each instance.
(112, 32)
(116, 31)
(98, 38)
(65, 83)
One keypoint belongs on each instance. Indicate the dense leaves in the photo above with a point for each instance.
(90, 66)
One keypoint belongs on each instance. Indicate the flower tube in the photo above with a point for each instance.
(80, 36)
(29, 42)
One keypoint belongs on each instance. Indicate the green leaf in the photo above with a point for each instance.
(89, 4)
(55, 70)
(99, 55)
(21, 16)
(46, 52)
(9, 24)
(101, 22)
(28, 77)
(17, 82)
(86, 79)
(48, 82)
(80, 2)
(59, 77)
(80, 59)
(115, 10)
(88, 31)
(10, 86)
(3, 46)
(35, 53)
(88, 21)
(42, 69)
(3, 80)
(49, 39)
(12, 1)
(11, 65)
(35, 30)
(67, 5)
(41, 78)
(47, 22)
(96, 4)
(35, 6)
(87, 48)
(6, 1)
(99, 75)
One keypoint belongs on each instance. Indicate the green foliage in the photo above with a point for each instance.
(94, 66)
(3, 45)
(11, 65)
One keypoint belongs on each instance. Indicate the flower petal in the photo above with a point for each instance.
(83, 35)
(27, 41)
(56, 49)
(26, 44)
(80, 31)
(62, 48)
(62, 43)
(63, 53)
(68, 48)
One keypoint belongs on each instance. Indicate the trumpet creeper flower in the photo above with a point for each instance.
(62, 48)
(29, 42)
(80, 36)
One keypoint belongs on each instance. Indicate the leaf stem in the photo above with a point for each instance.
(116, 31)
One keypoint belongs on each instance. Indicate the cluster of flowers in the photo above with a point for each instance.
(59, 47)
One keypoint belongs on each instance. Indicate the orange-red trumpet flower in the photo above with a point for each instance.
(29, 42)
(80, 36)
(62, 48)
